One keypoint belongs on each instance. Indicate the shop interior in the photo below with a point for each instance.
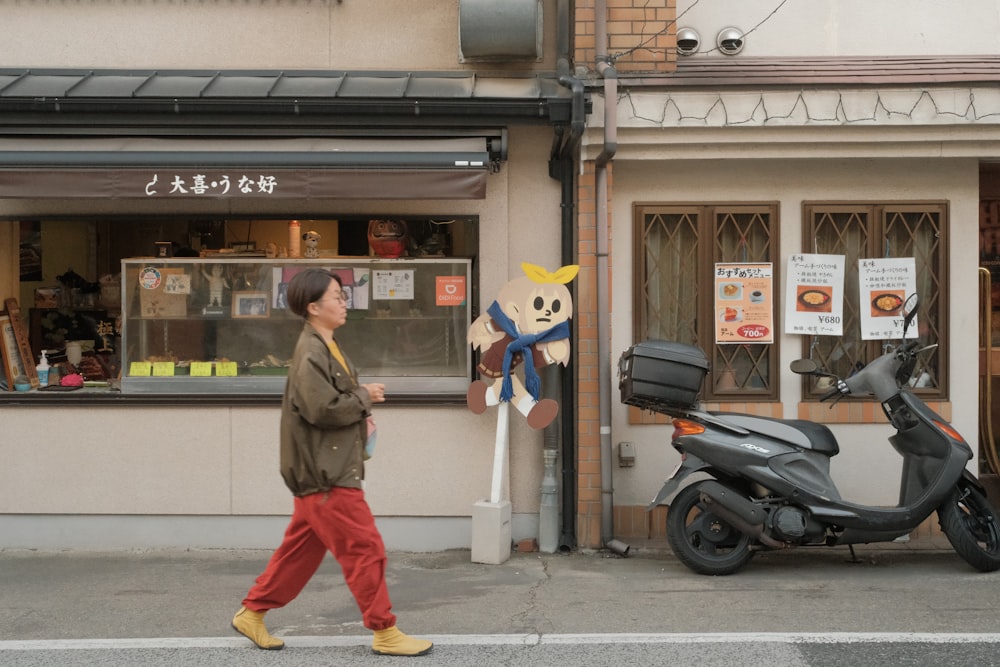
(71, 270)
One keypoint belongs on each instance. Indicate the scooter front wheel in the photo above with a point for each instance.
(702, 540)
(971, 525)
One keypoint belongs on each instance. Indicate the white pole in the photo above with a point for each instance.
(500, 450)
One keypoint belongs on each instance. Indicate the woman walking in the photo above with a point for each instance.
(323, 431)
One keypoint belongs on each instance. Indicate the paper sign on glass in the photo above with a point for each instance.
(884, 286)
(744, 294)
(450, 290)
(392, 285)
(814, 295)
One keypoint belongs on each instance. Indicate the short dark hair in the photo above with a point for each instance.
(309, 286)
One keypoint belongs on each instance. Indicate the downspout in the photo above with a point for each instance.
(561, 167)
(610, 76)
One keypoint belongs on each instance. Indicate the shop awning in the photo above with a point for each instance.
(342, 168)
(264, 134)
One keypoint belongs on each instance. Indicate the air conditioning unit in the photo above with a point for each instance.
(499, 30)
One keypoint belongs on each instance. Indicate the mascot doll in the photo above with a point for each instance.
(527, 326)
(387, 238)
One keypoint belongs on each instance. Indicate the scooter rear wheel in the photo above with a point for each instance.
(971, 525)
(703, 541)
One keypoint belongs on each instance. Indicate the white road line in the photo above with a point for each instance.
(517, 640)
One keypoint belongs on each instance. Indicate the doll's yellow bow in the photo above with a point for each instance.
(539, 274)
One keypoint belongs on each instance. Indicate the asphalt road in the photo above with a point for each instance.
(910, 605)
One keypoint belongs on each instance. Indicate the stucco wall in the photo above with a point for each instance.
(848, 27)
(254, 34)
(431, 461)
(867, 470)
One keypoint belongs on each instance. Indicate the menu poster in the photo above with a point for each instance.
(885, 285)
(814, 295)
(392, 285)
(743, 303)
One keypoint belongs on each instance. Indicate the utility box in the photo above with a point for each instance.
(499, 30)
(626, 454)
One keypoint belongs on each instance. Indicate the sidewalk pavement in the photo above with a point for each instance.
(916, 586)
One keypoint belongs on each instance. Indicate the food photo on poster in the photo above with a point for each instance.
(743, 303)
(814, 295)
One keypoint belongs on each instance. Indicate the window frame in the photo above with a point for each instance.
(933, 308)
(708, 216)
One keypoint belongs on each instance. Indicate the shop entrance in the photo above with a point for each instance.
(989, 330)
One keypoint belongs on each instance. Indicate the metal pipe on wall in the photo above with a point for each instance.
(561, 167)
(610, 76)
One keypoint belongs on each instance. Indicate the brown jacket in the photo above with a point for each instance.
(322, 420)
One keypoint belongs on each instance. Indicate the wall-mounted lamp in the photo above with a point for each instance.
(730, 41)
(688, 41)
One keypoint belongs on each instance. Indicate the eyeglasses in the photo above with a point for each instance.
(339, 296)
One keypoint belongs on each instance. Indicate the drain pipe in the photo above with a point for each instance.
(610, 76)
(561, 167)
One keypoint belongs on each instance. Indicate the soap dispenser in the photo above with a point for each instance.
(43, 369)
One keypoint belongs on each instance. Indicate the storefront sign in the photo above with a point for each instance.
(743, 297)
(885, 285)
(317, 183)
(199, 184)
(450, 291)
(814, 295)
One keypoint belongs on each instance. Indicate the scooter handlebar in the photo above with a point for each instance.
(830, 394)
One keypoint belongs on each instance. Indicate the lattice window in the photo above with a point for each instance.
(676, 250)
(861, 231)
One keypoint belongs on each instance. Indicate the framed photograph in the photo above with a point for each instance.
(12, 363)
(251, 304)
(16, 348)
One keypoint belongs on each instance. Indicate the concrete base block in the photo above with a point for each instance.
(491, 532)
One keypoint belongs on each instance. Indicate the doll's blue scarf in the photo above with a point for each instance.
(522, 343)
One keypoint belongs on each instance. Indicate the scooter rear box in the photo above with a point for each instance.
(661, 373)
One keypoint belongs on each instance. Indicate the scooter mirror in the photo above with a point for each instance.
(910, 308)
(804, 366)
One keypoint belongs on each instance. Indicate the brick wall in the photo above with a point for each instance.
(588, 437)
(642, 36)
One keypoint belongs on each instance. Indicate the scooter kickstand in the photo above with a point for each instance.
(854, 556)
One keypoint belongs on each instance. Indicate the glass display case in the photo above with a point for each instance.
(221, 324)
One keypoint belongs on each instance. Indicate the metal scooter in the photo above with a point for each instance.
(770, 484)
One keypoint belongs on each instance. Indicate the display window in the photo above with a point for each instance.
(186, 308)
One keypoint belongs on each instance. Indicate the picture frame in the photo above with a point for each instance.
(251, 305)
(12, 362)
(16, 346)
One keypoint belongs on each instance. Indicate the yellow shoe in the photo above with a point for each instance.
(250, 624)
(393, 642)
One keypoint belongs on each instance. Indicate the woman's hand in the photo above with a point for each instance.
(376, 391)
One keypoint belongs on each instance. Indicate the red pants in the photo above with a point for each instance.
(339, 521)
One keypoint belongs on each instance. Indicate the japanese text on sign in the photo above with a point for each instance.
(814, 295)
(388, 285)
(200, 184)
(884, 286)
(743, 298)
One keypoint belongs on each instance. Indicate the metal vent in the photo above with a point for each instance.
(492, 30)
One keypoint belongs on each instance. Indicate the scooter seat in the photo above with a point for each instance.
(797, 432)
